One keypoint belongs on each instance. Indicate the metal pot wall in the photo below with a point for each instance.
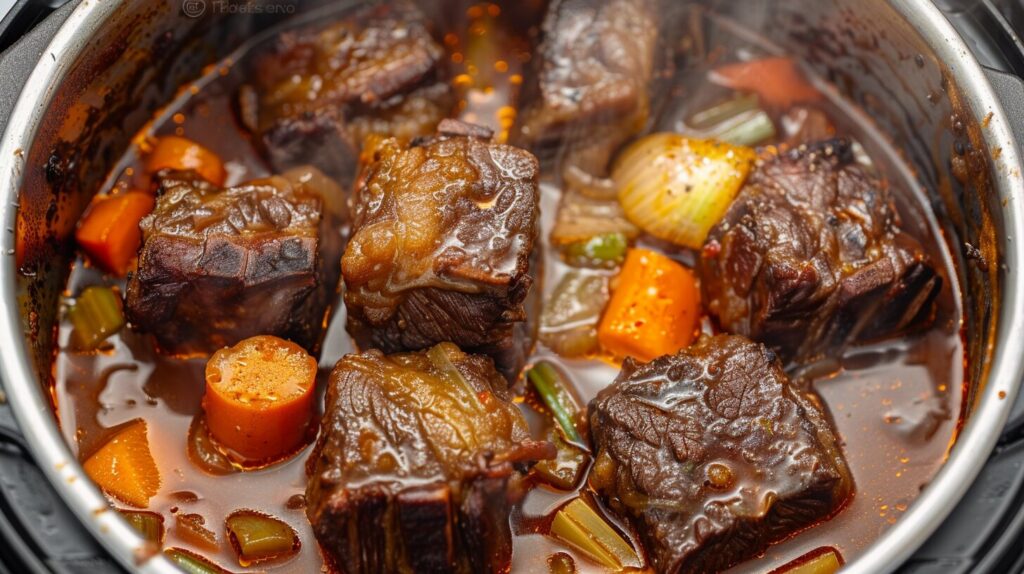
(112, 64)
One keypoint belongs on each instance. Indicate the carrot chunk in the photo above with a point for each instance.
(109, 232)
(124, 467)
(654, 308)
(176, 152)
(778, 81)
(259, 397)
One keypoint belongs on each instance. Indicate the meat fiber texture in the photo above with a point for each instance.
(590, 88)
(810, 257)
(442, 246)
(712, 455)
(420, 457)
(220, 265)
(321, 90)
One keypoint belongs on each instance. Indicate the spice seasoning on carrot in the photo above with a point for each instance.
(654, 309)
(259, 397)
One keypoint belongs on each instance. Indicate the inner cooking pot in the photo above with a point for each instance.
(112, 65)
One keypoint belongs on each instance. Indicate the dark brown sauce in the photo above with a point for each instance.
(895, 407)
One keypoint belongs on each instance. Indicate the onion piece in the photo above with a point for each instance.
(568, 323)
(676, 188)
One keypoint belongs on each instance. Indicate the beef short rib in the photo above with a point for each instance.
(220, 265)
(420, 457)
(712, 455)
(811, 257)
(441, 249)
(320, 90)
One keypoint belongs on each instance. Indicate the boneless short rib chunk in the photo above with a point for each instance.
(420, 457)
(811, 257)
(221, 265)
(441, 248)
(322, 89)
(591, 86)
(712, 455)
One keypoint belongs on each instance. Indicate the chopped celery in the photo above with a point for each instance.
(149, 524)
(561, 563)
(823, 560)
(607, 250)
(192, 527)
(715, 115)
(580, 526)
(95, 316)
(192, 563)
(554, 392)
(568, 323)
(566, 469)
(738, 121)
(676, 188)
(257, 537)
(748, 129)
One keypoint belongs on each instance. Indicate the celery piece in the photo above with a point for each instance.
(191, 563)
(751, 128)
(580, 526)
(568, 323)
(257, 537)
(95, 316)
(554, 392)
(561, 563)
(607, 250)
(715, 115)
(149, 524)
(566, 469)
(738, 121)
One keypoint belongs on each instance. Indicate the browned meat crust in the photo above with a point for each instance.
(810, 257)
(442, 237)
(220, 265)
(713, 455)
(420, 459)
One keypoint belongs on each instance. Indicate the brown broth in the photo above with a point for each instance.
(895, 407)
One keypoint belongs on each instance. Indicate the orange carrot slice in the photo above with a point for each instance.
(259, 397)
(109, 232)
(176, 152)
(777, 81)
(654, 308)
(124, 467)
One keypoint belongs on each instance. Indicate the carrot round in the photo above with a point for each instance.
(654, 308)
(109, 232)
(778, 81)
(259, 397)
(124, 467)
(176, 152)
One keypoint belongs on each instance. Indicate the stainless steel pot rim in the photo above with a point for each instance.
(978, 437)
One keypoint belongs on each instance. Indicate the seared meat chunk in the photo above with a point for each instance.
(713, 455)
(419, 461)
(221, 265)
(811, 257)
(590, 90)
(442, 236)
(321, 90)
